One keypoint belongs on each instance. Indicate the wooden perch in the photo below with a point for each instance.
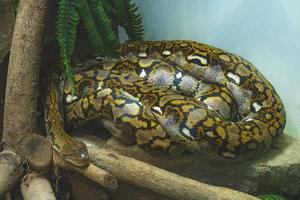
(274, 171)
(23, 74)
(35, 187)
(159, 180)
(11, 170)
(92, 172)
(38, 151)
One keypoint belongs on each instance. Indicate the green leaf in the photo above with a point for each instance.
(129, 19)
(109, 7)
(104, 26)
(66, 31)
(97, 23)
(66, 28)
(95, 39)
(99, 19)
(271, 197)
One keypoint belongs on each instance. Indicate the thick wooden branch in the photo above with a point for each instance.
(92, 172)
(35, 187)
(11, 171)
(23, 74)
(20, 120)
(274, 171)
(38, 151)
(159, 180)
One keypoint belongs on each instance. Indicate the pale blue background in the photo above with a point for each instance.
(266, 32)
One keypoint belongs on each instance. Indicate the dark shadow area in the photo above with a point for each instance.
(3, 75)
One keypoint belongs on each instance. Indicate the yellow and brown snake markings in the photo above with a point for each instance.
(70, 149)
(179, 96)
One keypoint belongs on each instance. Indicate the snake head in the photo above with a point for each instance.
(75, 152)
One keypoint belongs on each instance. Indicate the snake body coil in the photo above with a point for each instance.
(179, 96)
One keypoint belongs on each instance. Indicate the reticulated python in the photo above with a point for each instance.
(175, 96)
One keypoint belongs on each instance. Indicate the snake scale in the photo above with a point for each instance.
(173, 96)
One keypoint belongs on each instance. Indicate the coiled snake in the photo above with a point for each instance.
(174, 96)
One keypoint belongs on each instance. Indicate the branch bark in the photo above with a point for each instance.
(11, 170)
(92, 172)
(38, 150)
(36, 187)
(20, 120)
(159, 180)
(23, 74)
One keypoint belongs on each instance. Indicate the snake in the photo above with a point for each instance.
(172, 96)
(72, 150)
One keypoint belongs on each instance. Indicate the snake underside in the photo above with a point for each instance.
(178, 96)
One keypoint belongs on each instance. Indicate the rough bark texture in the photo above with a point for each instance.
(159, 180)
(91, 172)
(275, 171)
(132, 171)
(20, 121)
(38, 150)
(11, 170)
(36, 187)
(23, 74)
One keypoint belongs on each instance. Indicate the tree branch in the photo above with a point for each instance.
(11, 170)
(92, 172)
(23, 74)
(20, 120)
(156, 179)
(35, 187)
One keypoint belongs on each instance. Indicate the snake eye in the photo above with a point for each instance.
(83, 155)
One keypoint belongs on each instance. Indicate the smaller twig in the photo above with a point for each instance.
(91, 172)
(35, 186)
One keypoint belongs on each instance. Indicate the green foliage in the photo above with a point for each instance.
(100, 19)
(128, 18)
(89, 24)
(271, 197)
(98, 26)
(67, 21)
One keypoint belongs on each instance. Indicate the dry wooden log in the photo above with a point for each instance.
(92, 172)
(159, 180)
(38, 151)
(274, 171)
(23, 74)
(20, 109)
(35, 187)
(11, 170)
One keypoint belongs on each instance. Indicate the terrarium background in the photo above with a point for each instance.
(267, 33)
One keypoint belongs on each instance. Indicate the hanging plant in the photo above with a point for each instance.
(100, 19)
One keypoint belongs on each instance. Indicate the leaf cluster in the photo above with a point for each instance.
(270, 197)
(100, 20)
